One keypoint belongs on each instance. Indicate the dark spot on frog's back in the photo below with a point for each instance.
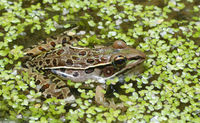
(41, 49)
(75, 74)
(88, 71)
(64, 40)
(53, 44)
(54, 62)
(82, 53)
(59, 52)
(90, 61)
(40, 62)
(47, 61)
(69, 62)
(44, 87)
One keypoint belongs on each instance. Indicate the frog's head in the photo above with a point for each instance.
(123, 59)
(126, 56)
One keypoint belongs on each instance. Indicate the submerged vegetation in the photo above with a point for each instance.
(168, 32)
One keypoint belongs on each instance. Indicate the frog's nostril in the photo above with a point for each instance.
(143, 55)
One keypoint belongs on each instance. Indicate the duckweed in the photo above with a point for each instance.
(168, 31)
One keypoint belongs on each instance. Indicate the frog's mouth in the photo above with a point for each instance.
(135, 61)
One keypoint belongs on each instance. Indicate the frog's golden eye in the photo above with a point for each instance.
(119, 61)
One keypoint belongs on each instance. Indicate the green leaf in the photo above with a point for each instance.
(91, 23)
(67, 26)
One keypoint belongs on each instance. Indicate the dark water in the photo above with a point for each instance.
(31, 39)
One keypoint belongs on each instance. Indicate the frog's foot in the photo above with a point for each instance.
(99, 96)
(113, 105)
(68, 37)
(100, 99)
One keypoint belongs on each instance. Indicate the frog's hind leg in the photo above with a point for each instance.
(52, 87)
(50, 43)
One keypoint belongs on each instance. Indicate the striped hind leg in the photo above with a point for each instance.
(51, 86)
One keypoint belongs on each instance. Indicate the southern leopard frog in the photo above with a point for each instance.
(52, 67)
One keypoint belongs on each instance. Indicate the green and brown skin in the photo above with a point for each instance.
(78, 65)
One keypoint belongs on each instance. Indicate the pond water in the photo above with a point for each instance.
(165, 89)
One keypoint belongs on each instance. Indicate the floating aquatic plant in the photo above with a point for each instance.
(168, 32)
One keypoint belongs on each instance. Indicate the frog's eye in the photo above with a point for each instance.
(119, 61)
(119, 44)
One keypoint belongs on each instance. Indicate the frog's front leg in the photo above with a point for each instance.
(99, 96)
(101, 100)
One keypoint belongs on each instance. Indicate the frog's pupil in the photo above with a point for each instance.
(119, 61)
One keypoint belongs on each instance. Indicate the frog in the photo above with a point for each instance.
(56, 61)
